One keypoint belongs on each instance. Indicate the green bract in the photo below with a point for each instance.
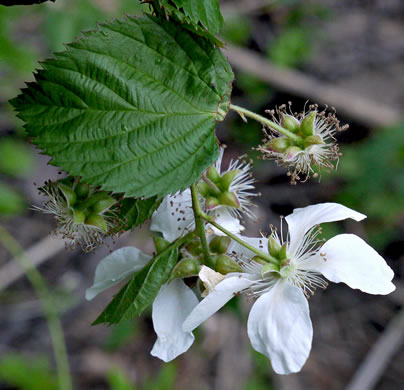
(131, 107)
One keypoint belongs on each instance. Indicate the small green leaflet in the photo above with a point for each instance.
(132, 107)
(141, 290)
(134, 212)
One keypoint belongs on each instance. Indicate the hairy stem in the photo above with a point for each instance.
(49, 308)
(200, 226)
(259, 253)
(266, 122)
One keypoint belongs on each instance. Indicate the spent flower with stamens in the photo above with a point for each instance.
(284, 277)
(313, 146)
(228, 189)
(84, 215)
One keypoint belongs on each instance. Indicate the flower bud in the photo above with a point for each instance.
(213, 174)
(229, 199)
(103, 203)
(194, 247)
(82, 190)
(278, 144)
(97, 221)
(312, 140)
(290, 123)
(227, 179)
(68, 193)
(307, 125)
(160, 244)
(273, 247)
(185, 268)
(203, 188)
(225, 265)
(211, 202)
(292, 152)
(219, 244)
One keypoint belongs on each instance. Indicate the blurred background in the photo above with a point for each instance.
(344, 53)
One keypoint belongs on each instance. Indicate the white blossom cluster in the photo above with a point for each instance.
(279, 324)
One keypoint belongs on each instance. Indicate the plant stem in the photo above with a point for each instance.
(200, 226)
(242, 111)
(259, 253)
(50, 311)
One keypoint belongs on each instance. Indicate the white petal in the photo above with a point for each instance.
(172, 305)
(174, 216)
(303, 219)
(214, 301)
(352, 261)
(279, 327)
(223, 218)
(115, 268)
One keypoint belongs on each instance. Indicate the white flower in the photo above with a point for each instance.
(173, 304)
(318, 146)
(174, 217)
(279, 323)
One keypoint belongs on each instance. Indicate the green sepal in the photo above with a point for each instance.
(97, 221)
(211, 202)
(185, 268)
(68, 193)
(203, 188)
(229, 199)
(312, 140)
(79, 216)
(290, 123)
(307, 125)
(219, 244)
(225, 265)
(273, 247)
(212, 174)
(226, 180)
(269, 267)
(82, 190)
(160, 244)
(103, 203)
(278, 145)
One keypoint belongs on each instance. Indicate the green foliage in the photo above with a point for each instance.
(237, 30)
(15, 158)
(120, 335)
(141, 290)
(134, 212)
(27, 373)
(11, 202)
(132, 107)
(202, 17)
(118, 381)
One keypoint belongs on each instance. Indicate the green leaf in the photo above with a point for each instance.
(11, 202)
(141, 290)
(15, 158)
(202, 17)
(131, 108)
(134, 212)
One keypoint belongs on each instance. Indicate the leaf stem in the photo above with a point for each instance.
(259, 253)
(266, 122)
(49, 308)
(200, 226)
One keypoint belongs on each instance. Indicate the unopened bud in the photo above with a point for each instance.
(211, 202)
(307, 125)
(203, 188)
(219, 244)
(82, 190)
(225, 265)
(292, 152)
(185, 268)
(278, 144)
(229, 199)
(97, 221)
(228, 178)
(194, 247)
(290, 123)
(160, 244)
(213, 174)
(274, 246)
(68, 193)
(312, 140)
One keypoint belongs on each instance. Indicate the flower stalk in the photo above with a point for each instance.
(266, 122)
